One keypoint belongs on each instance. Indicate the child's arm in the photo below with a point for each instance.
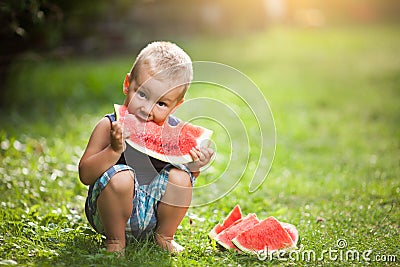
(103, 150)
(201, 157)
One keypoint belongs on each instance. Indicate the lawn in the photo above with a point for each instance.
(334, 94)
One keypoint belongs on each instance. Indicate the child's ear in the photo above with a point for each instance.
(126, 84)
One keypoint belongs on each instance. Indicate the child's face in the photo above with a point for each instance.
(151, 99)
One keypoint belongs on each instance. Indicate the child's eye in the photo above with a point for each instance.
(141, 94)
(161, 104)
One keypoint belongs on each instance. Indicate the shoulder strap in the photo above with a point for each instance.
(111, 117)
(173, 121)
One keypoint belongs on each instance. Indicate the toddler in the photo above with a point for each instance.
(119, 203)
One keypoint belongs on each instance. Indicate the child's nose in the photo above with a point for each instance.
(146, 109)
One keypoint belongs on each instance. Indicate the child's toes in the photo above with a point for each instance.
(176, 247)
(168, 243)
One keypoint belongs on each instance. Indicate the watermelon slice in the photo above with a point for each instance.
(234, 215)
(225, 237)
(164, 142)
(267, 235)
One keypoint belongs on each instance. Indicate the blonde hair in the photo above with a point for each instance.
(164, 61)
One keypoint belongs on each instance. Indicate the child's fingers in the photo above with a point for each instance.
(118, 130)
(207, 152)
(115, 125)
(195, 154)
(201, 155)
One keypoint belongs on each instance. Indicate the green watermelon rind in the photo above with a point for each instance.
(219, 241)
(222, 244)
(253, 251)
(242, 248)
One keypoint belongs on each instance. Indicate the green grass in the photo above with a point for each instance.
(334, 94)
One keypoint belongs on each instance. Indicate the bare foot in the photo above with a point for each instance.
(168, 243)
(115, 246)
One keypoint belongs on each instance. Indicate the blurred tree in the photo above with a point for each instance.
(40, 25)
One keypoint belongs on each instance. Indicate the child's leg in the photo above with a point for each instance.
(115, 206)
(172, 208)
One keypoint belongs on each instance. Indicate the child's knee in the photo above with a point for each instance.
(179, 189)
(122, 183)
(179, 178)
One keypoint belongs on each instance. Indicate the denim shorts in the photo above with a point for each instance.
(143, 219)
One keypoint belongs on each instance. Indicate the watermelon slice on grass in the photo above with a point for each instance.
(164, 142)
(224, 238)
(234, 215)
(268, 235)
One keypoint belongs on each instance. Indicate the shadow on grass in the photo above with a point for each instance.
(60, 238)
(88, 250)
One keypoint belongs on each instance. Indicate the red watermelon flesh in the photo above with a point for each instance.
(164, 142)
(234, 215)
(267, 235)
(225, 237)
(292, 231)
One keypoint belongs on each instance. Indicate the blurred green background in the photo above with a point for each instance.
(63, 29)
(57, 32)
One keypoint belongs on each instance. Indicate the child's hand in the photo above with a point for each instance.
(201, 156)
(117, 139)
